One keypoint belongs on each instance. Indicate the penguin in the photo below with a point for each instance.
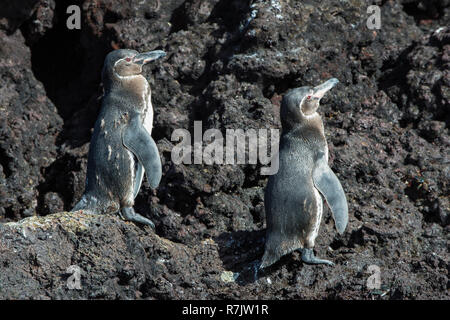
(293, 195)
(121, 147)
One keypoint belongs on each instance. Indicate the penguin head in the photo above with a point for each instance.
(125, 63)
(302, 103)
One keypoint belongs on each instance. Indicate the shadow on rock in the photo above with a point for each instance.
(240, 252)
(56, 192)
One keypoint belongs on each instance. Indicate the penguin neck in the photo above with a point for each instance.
(302, 123)
(135, 85)
(301, 120)
(308, 117)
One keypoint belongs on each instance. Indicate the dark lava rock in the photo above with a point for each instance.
(228, 65)
(14, 13)
(116, 260)
(28, 129)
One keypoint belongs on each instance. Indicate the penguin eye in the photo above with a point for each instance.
(128, 59)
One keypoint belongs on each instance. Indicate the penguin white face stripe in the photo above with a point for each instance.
(124, 77)
(307, 116)
(128, 77)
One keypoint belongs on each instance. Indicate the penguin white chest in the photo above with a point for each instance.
(318, 212)
(148, 110)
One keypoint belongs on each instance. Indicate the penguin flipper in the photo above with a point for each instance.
(137, 139)
(329, 186)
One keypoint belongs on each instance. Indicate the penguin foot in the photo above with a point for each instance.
(308, 257)
(129, 214)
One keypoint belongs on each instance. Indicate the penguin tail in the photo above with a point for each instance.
(87, 203)
(276, 249)
(91, 204)
(267, 260)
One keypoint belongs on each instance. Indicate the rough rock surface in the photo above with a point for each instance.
(228, 64)
(29, 126)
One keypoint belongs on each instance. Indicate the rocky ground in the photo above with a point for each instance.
(228, 64)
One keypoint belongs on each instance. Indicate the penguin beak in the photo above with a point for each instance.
(146, 57)
(320, 90)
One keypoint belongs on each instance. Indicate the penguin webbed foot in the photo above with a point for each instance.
(308, 257)
(129, 214)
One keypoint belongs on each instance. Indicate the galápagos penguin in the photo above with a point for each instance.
(122, 148)
(292, 197)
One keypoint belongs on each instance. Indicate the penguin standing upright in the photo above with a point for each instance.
(122, 148)
(292, 196)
